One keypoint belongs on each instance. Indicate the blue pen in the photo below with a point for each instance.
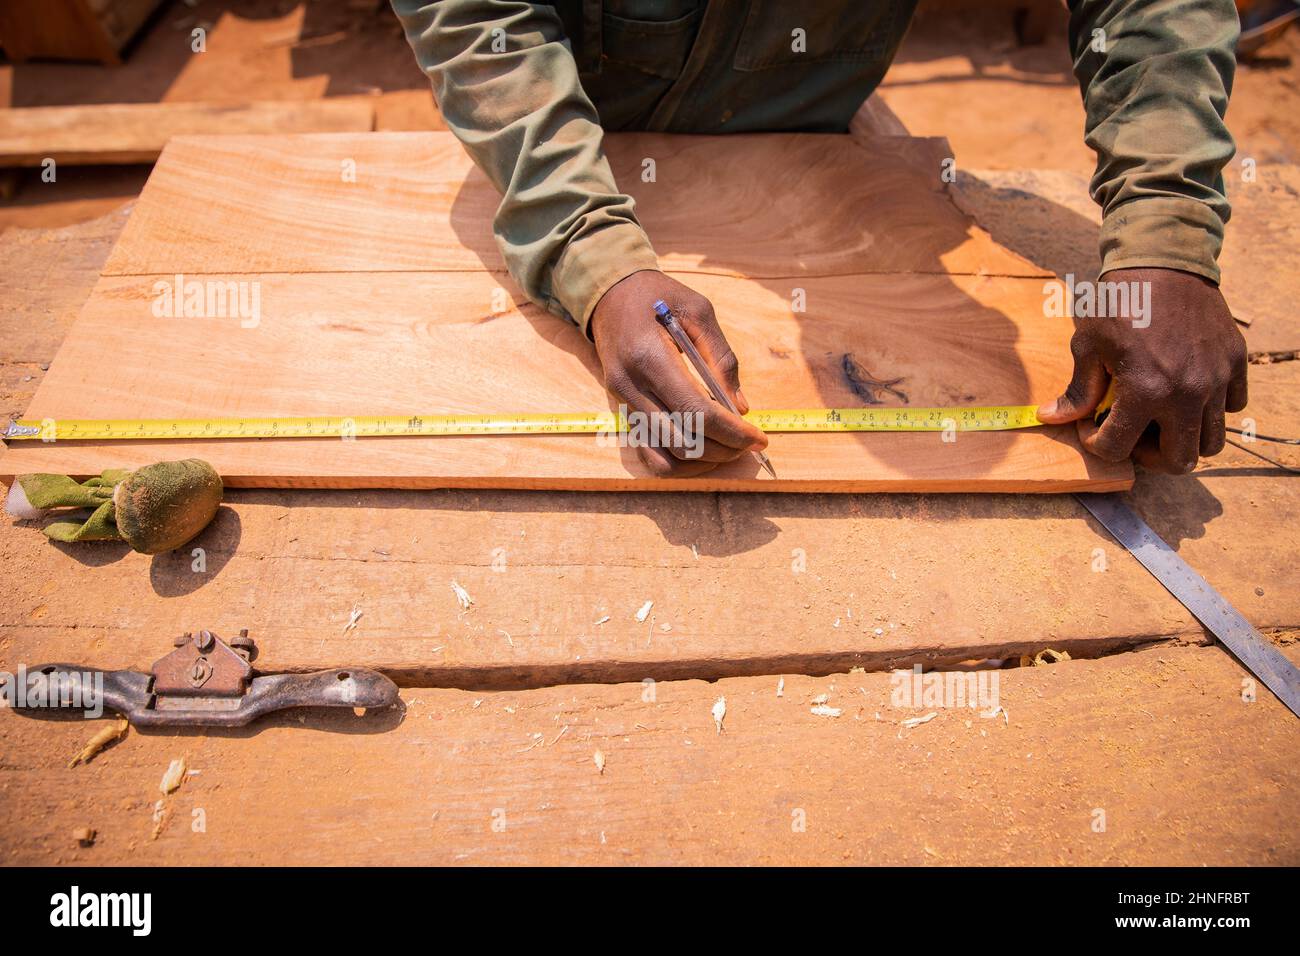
(665, 317)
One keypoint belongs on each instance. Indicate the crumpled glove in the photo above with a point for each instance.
(153, 509)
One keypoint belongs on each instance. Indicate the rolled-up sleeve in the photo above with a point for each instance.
(1156, 76)
(507, 84)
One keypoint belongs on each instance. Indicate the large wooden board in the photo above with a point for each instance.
(411, 343)
(137, 132)
(381, 296)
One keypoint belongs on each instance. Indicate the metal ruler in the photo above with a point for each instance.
(1211, 608)
(879, 419)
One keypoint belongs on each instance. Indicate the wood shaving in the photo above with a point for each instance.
(353, 617)
(821, 710)
(160, 818)
(780, 687)
(171, 780)
(918, 721)
(462, 596)
(994, 711)
(95, 744)
(599, 758)
(719, 712)
(644, 612)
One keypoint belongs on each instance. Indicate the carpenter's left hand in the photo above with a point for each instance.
(1181, 365)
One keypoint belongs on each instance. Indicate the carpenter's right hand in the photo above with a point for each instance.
(646, 371)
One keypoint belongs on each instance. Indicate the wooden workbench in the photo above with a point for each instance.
(485, 764)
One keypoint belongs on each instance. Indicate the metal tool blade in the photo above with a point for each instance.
(1210, 607)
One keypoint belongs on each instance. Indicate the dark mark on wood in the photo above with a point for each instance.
(865, 385)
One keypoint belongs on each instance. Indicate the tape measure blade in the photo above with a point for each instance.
(876, 418)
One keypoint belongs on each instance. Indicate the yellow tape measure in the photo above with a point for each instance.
(879, 419)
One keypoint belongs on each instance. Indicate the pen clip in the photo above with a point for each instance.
(664, 316)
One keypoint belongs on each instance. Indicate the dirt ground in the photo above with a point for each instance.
(1147, 726)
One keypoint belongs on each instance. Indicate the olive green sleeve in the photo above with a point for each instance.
(507, 84)
(1156, 76)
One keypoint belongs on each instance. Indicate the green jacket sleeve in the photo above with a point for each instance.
(1156, 76)
(507, 84)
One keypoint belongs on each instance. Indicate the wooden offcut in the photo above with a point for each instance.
(117, 133)
(71, 29)
(380, 291)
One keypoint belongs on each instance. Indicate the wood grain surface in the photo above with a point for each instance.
(752, 205)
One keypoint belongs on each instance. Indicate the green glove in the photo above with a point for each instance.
(155, 508)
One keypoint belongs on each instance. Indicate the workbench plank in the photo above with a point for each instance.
(1079, 771)
(750, 584)
(360, 344)
(137, 132)
(730, 205)
(46, 276)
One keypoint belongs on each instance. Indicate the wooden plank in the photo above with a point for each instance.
(875, 118)
(70, 29)
(137, 132)
(281, 204)
(45, 278)
(460, 777)
(409, 344)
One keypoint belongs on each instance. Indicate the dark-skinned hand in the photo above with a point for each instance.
(646, 371)
(1180, 373)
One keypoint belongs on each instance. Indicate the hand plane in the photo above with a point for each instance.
(204, 682)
